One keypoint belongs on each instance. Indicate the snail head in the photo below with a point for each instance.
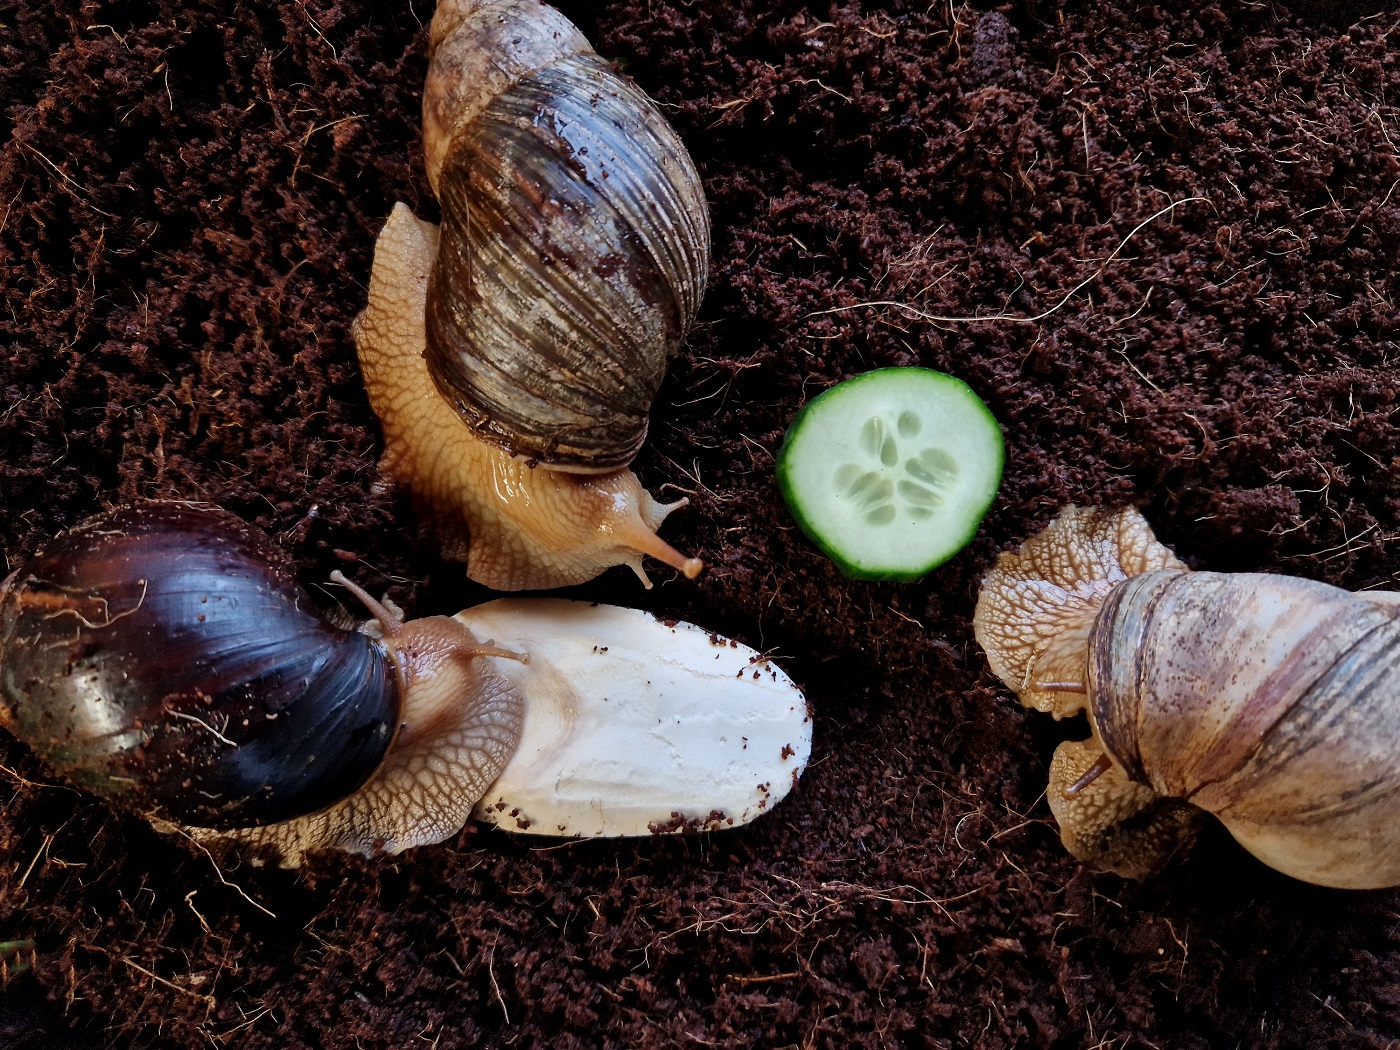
(1038, 604)
(1035, 616)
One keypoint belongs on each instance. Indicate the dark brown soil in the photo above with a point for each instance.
(189, 194)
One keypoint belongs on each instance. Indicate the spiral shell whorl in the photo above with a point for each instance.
(575, 242)
(477, 49)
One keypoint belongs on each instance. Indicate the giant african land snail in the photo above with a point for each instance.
(513, 358)
(163, 656)
(1269, 701)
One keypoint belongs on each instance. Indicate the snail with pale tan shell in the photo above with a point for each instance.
(164, 657)
(1269, 701)
(512, 357)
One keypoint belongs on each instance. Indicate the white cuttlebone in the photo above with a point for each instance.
(635, 725)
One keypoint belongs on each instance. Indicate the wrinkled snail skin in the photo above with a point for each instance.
(164, 657)
(1268, 701)
(526, 528)
(460, 726)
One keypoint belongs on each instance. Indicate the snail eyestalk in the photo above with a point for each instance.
(634, 522)
(391, 625)
(490, 648)
(1098, 769)
(654, 545)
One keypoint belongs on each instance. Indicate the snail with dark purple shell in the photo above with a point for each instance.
(1269, 701)
(164, 656)
(513, 355)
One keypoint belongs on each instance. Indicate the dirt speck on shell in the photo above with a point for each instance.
(1186, 217)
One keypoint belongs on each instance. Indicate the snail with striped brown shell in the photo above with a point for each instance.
(1269, 701)
(512, 357)
(164, 657)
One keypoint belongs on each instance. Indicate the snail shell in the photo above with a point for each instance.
(1268, 701)
(179, 670)
(575, 237)
(164, 657)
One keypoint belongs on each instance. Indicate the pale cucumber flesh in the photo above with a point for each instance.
(891, 472)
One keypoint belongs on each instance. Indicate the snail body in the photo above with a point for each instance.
(526, 527)
(571, 261)
(164, 657)
(1268, 701)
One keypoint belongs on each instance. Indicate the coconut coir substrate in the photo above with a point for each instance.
(1185, 220)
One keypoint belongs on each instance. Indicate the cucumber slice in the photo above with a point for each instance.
(891, 472)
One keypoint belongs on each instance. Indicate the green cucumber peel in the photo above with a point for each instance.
(891, 472)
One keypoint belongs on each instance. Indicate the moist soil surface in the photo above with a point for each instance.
(1179, 226)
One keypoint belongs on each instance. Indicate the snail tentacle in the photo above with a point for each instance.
(1101, 766)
